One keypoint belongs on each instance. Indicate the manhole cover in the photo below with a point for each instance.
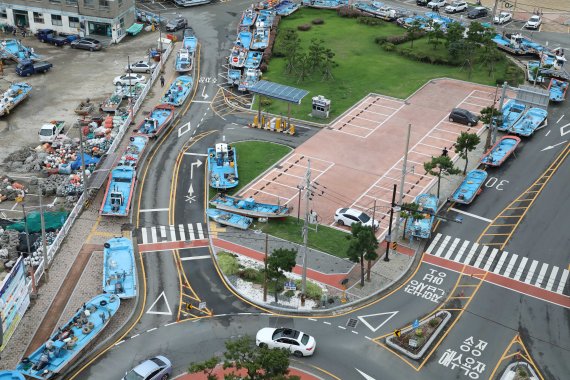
(352, 323)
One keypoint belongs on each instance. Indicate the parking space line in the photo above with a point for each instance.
(441, 138)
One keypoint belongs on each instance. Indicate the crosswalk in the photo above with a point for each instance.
(523, 269)
(171, 233)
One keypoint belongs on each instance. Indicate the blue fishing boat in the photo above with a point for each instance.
(260, 39)
(234, 76)
(421, 228)
(119, 268)
(14, 95)
(134, 150)
(119, 192)
(222, 166)
(529, 122)
(512, 112)
(532, 69)
(239, 50)
(228, 219)
(265, 18)
(11, 375)
(244, 39)
(518, 44)
(159, 118)
(249, 207)
(470, 187)
(13, 49)
(65, 344)
(253, 60)
(500, 151)
(248, 18)
(190, 43)
(557, 89)
(325, 4)
(250, 78)
(184, 61)
(178, 91)
(286, 7)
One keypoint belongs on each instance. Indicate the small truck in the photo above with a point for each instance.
(49, 131)
(27, 68)
(50, 36)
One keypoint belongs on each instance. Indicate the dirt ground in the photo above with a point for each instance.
(76, 75)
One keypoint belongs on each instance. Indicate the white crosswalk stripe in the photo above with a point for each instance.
(549, 277)
(180, 232)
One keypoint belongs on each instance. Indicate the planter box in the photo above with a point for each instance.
(510, 372)
(445, 318)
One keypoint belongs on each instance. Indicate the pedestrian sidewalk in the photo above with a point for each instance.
(220, 371)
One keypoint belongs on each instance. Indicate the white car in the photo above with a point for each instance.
(534, 22)
(503, 18)
(125, 80)
(456, 6)
(140, 67)
(297, 342)
(349, 216)
(437, 4)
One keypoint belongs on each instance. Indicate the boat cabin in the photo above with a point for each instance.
(117, 200)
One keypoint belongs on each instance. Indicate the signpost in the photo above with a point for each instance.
(397, 333)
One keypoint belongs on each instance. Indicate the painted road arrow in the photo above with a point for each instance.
(204, 95)
(554, 146)
(198, 163)
(366, 376)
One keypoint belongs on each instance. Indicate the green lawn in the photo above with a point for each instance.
(326, 239)
(363, 66)
(254, 157)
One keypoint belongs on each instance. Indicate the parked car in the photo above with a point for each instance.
(433, 4)
(462, 116)
(477, 12)
(141, 67)
(297, 342)
(533, 22)
(127, 79)
(87, 43)
(422, 2)
(456, 6)
(503, 18)
(349, 216)
(176, 24)
(157, 368)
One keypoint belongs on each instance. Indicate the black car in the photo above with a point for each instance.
(422, 2)
(176, 24)
(460, 115)
(477, 12)
(86, 43)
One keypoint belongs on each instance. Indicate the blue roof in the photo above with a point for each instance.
(279, 91)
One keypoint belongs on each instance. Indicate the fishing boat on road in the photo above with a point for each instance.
(119, 192)
(11, 375)
(178, 91)
(238, 55)
(228, 219)
(234, 76)
(190, 43)
(14, 49)
(500, 151)
(253, 60)
(249, 79)
(133, 153)
(222, 166)
(260, 39)
(325, 4)
(249, 207)
(119, 268)
(512, 112)
(557, 89)
(286, 7)
(184, 61)
(159, 118)
(470, 187)
(65, 344)
(529, 122)
(533, 72)
(248, 18)
(14, 95)
(421, 228)
(265, 18)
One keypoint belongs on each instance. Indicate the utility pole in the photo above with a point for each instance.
(402, 182)
(299, 203)
(492, 122)
(494, 11)
(26, 229)
(82, 158)
(265, 272)
(389, 237)
(501, 103)
(373, 213)
(130, 92)
(306, 233)
(43, 225)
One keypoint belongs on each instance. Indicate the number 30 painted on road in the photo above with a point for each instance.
(494, 182)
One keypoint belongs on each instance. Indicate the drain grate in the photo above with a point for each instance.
(352, 323)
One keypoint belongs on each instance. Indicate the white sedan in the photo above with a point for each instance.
(437, 4)
(140, 67)
(456, 6)
(297, 342)
(125, 80)
(534, 22)
(349, 216)
(503, 18)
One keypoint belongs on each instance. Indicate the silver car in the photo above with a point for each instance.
(157, 368)
(141, 67)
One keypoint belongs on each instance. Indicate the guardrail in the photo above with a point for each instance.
(76, 211)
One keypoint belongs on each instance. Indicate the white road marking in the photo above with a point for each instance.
(471, 215)
(541, 274)
(520, 269)
(366, 376)
(552, 277)
(390, 314)
(181, 231)
(195, 258)
(153, 209)
(442, 246)
(342, 327)
(153, 234)
(191, 230)
(162, 295)
(134, 336)
(562, 281)
(531, 271)
(196, 154)
(354, 332)
(511, 265)
(561, 117)
(154, 328)
(200, 232)
(461, 251)
(452, 248)
(500, 263)
(122, 341)
(481, 256)
(144, 235)
(312, 319)
(471, 253)
(327, 323)
(490, 259)
(433, 243)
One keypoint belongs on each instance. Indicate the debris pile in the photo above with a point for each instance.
(9, 242)
(37, 249)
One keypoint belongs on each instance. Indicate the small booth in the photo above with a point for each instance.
(321, 107)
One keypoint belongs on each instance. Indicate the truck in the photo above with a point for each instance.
(27, 68)
(51, 36)
(49, 131)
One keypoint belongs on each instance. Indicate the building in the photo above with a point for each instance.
(108, 18)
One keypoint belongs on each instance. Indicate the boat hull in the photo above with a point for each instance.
(229, 219)
(249, 207)
(529, 122)
(421, 228)
(119, 268)
(469, 188)
(163, 113)
(500, 151)
(222, 169)
(16, 94)
(179, 91)
(121, 181)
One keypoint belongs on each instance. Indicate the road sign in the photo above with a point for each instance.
(394, 246)
(397, 333)
(235, 59)
(416, 324)
(290, 285)
(201, 305)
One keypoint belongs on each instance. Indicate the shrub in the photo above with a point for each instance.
(228, 263)
(500, 81)
(263, 67)
(381, 40)
(398, 39)
(289, 293)
(366, 20)
(304, 27)
(419, 332)
(267, 55)
(266, 102)
(434, 321)
(346, 11)
(314, 291)
(318, 21)
(389, 46)
(251, 275)
(522, 373)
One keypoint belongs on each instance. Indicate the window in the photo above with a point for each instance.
(89, 3)
(71, 2)
(120, 2)
(38, 18)
(56, 20)
(3, 13)
(104, 3)
(55, 1)
(122, 22)
(73, 22)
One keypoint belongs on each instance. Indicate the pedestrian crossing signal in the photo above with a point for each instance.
(397, 333)
(394, 246)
